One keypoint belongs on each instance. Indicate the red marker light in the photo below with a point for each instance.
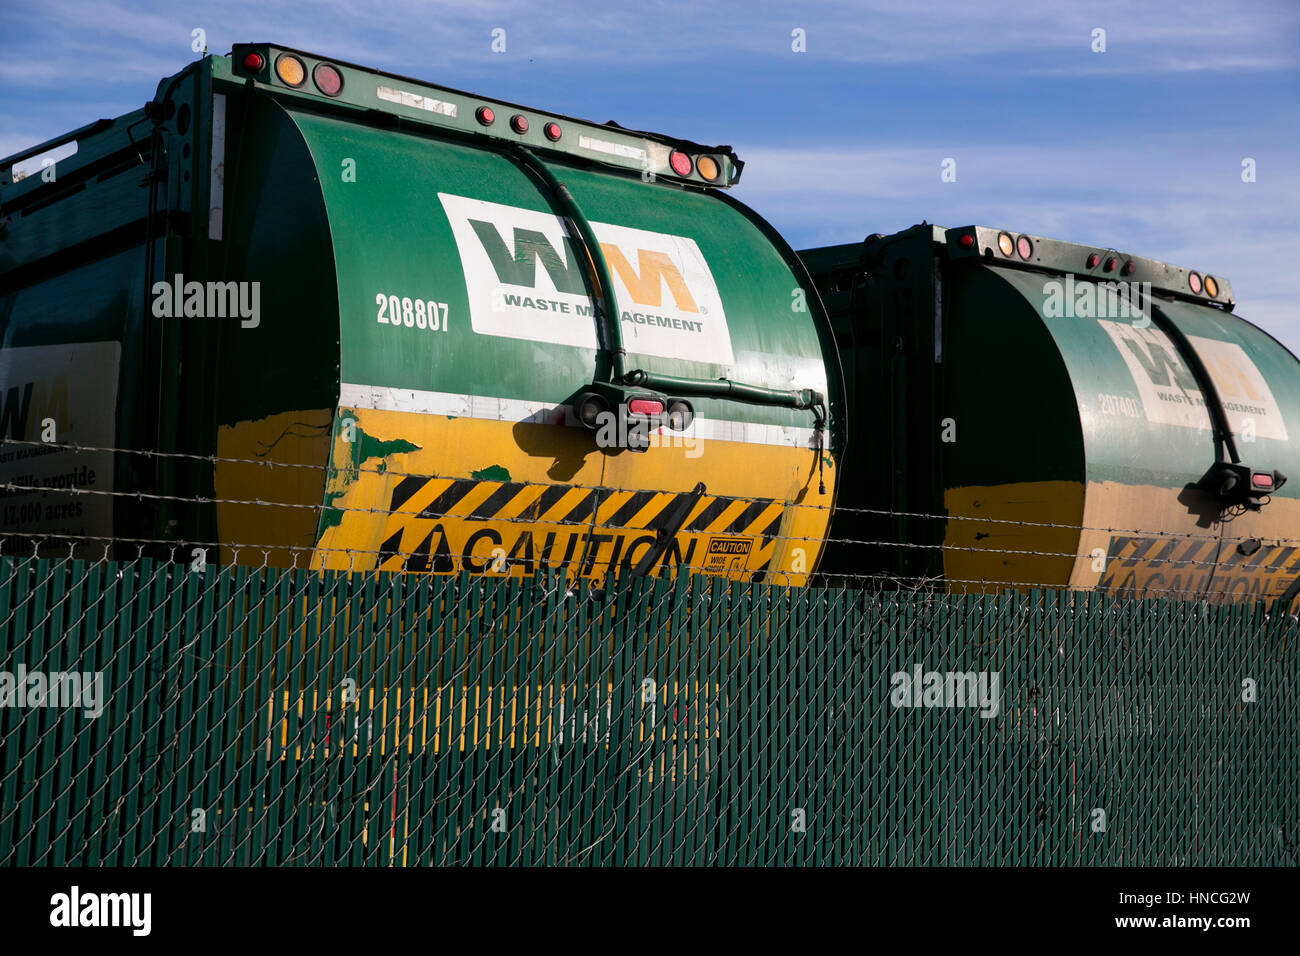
(253, 62)
(1129, 268)
(680, 162)
(1262, 480)
(966, 241)
(327, 79)
(1194, 282)
(645, 406)
(552, 131)
(1024, 247)
(1093, 260)
(519, 123)
(485, 115)
(1111, 263)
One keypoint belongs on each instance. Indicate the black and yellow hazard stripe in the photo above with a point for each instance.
(425, 513)
(1203, 565)
(468, 496)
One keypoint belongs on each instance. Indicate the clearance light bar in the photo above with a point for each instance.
(1001, 247)
(293, 72)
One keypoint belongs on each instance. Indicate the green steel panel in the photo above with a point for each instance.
(1100, 366)
(1246, 399)
(392, 235)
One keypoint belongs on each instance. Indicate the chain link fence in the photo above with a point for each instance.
(156, 713)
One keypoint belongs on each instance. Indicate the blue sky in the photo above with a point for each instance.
(1139, 147)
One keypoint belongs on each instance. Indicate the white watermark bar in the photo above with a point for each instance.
(952, 689)
(62, 689)
(76, 909)
(208, 300)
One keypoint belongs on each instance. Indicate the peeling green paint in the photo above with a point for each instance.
(491, 473)
(364, 448)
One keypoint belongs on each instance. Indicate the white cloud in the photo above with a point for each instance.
(1180, 200)
(1172, 199)
(113, 39)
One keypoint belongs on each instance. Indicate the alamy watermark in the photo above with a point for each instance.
(1098, 300)
(23, 688)
(78, 908)
(627, 431)
(922, 688)
(208, 300)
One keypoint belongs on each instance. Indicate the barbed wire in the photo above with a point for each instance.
(588, 527)
(599, 574)
(585, 524)
(527, 483)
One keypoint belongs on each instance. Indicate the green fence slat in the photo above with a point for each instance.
(680, 719)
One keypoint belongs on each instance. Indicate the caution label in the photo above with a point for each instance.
(441, 525)
(1183, 568)
(727, 553)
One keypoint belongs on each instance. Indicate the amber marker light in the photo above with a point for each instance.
(290, 70)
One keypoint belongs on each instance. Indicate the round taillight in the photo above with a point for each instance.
(1111, 263)
(966, 240)
(680, 162)
(552, 131)
(680, 414)
(1212, 287)
(1129, 268)
(327, 79)
(1024, 247)
(290, 70)
(1093, 260)
(253, 62)
(1194, 282)
(519, 123)
(485, 115)
(590, 408)
(1006, 245)
(707, 167)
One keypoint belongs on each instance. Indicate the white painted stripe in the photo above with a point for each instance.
(613, 149)
(217, 172)
(416, 101)
(382, 398)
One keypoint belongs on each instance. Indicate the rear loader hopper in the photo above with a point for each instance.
(1054, 414)
(360, 321)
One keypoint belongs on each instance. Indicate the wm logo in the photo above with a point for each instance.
(527, 278)
(564, 266)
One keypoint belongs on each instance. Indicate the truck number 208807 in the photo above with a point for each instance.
(412, 313)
